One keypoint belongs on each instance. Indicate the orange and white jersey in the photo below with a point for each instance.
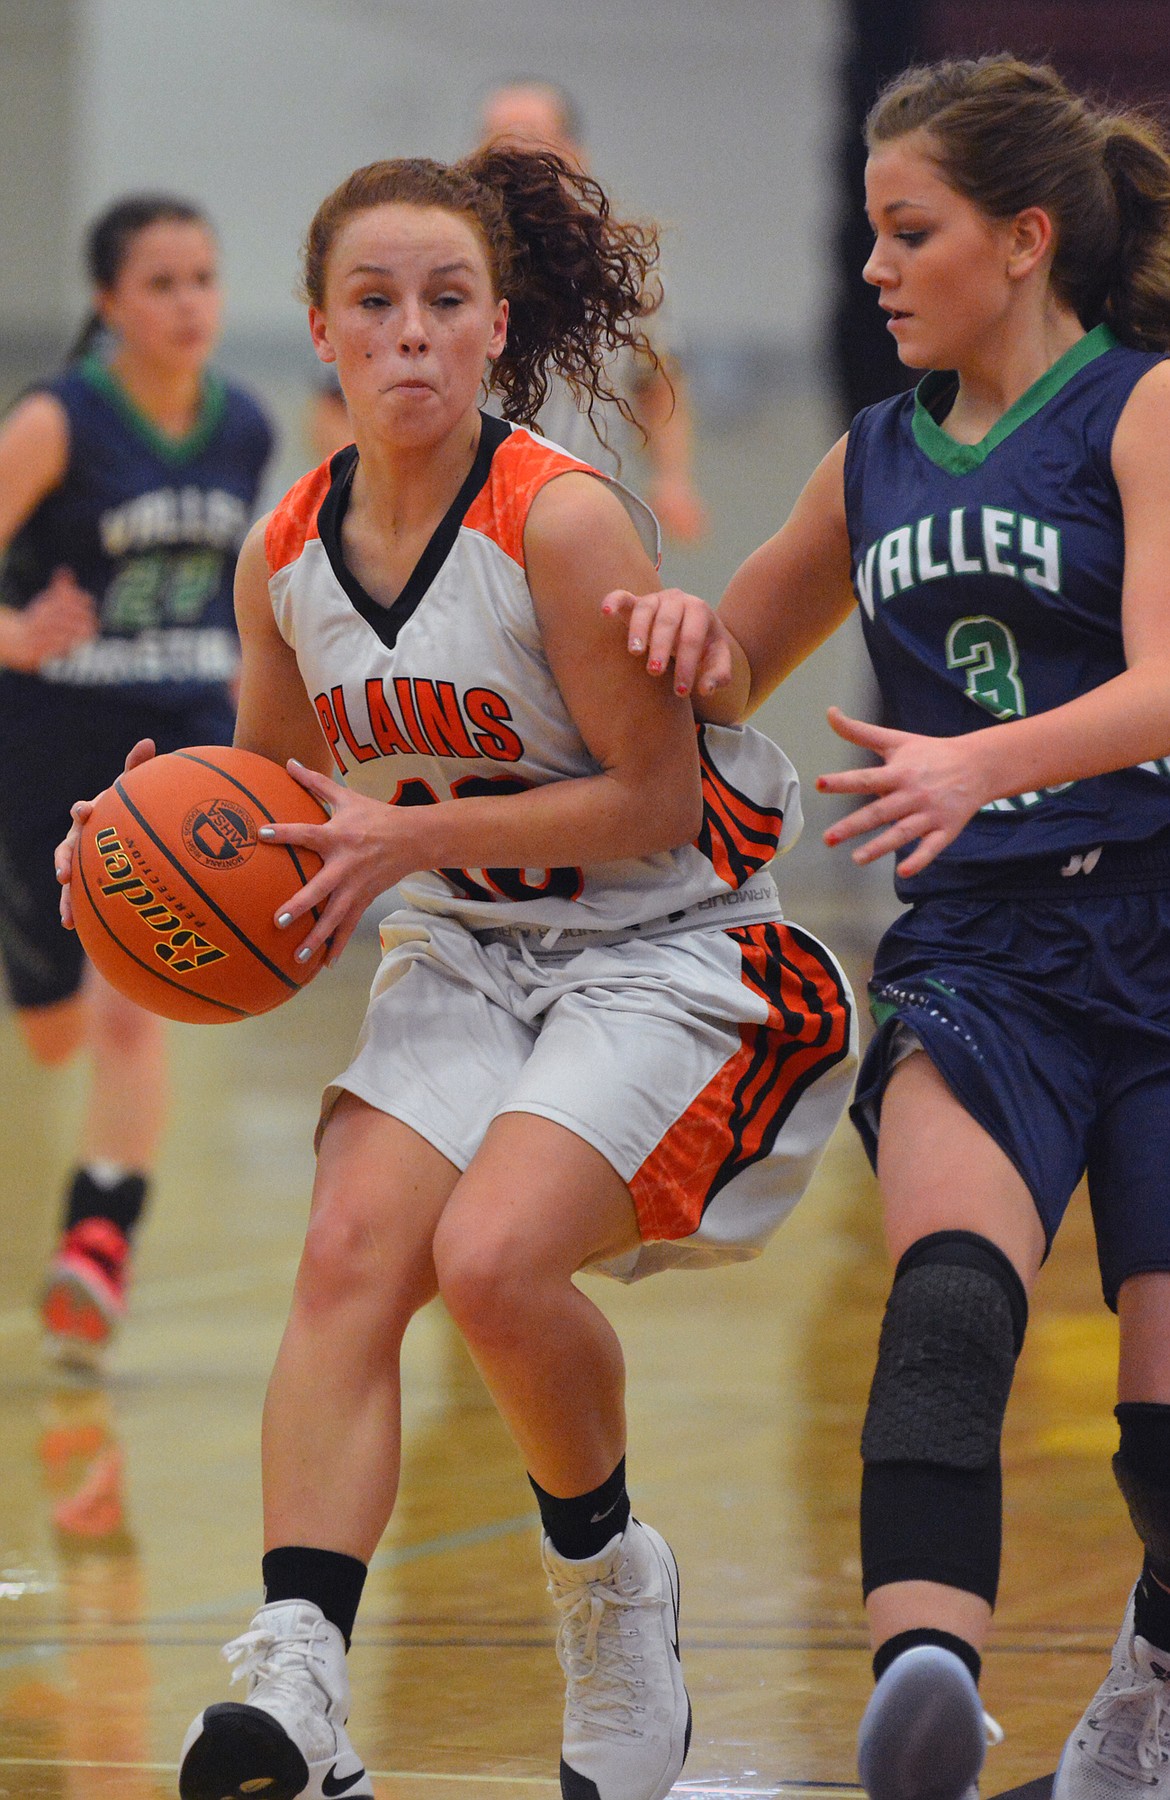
(448, 693)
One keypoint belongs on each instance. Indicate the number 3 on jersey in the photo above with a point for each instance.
(986, 649)
(506, 884)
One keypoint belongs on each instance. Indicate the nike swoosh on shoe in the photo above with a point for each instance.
(330, 1788)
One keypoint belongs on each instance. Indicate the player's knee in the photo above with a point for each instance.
(346, 1265)
(483, 1277)
(953, 1328)
(1142, 1470)
(119, 1027)
(53, 1034)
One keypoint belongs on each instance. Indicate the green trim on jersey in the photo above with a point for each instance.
(212, 403)
(960, 459)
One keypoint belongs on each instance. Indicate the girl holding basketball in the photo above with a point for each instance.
(1006, 531)
(591, 1040)
(127, 484)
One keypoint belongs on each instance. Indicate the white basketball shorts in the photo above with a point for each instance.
(708, 1066)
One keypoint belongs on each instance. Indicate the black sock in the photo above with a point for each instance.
(582, 1526)
(327, 1578)
(122, 1201)
(1151, 1610)
(946, 1640)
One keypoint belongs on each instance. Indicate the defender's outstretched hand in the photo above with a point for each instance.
(672, 626)
(924, 789)
(79, 812)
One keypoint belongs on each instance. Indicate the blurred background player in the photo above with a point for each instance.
(127, 483)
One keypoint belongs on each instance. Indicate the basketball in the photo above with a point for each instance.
(174, 895)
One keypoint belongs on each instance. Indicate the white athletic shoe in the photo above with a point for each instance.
(627, 1716)
(924, 1734)
(288, 1739)
(1122, 1744)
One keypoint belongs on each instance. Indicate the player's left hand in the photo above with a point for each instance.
(924, 789)
(362, 851)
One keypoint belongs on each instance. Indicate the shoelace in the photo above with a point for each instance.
(1118, 1711)
(261, 1655)
(600, 1669)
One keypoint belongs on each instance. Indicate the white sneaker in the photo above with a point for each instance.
(627, 1716)
(288, 1740)
(924, 1734)
(1122, 1744)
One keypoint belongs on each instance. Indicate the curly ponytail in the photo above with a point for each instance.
(1008, 135)
(578, 281)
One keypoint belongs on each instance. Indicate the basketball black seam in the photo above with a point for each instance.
(206, 763)
(237, 1012)
(187, 876)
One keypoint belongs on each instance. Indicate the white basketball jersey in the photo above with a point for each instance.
(448, 693)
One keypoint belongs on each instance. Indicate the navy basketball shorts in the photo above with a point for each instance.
(60, 744)
(709, 1067)
(1048, 1016)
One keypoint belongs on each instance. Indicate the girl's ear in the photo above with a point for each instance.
(319, 332)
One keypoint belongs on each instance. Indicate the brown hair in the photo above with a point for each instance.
(1008, 135)
(578, 281)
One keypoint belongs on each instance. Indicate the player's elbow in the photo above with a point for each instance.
(680, 817)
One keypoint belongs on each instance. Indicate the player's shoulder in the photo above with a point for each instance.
(523, 465)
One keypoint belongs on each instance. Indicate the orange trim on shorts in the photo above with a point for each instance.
(294, 519)
(736, 1119)
(521, 466)
(738, 836)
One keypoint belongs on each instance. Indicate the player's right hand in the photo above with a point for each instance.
(672, 626)
(54, 622)
(79, 812)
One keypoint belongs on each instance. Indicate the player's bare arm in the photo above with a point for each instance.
(785, 600)
(34, 455)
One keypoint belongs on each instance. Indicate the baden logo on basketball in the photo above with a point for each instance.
(221, 834)
(182, 949)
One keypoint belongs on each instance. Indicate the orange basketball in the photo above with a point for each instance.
(174, 895)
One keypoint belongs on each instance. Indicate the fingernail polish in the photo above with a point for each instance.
(283, 919)
(266, 833)
(303, 954)
(636, 644)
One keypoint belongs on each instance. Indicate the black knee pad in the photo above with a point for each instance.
(1142, 1471)
(953, 1328)
(931, 1492)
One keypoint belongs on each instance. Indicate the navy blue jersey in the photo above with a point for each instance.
(151, 527)
(989, 578)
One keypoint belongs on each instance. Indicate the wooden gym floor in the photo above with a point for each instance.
(129, 1511)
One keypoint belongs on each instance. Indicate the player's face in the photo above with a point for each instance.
(941, 265)
(165, 304)
(410, 318)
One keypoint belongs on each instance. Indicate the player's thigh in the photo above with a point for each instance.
(537, 1197)
(939, 1170)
